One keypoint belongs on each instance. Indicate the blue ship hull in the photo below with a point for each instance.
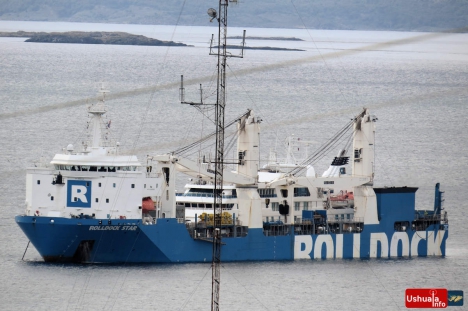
(399, 231)
(167, 241)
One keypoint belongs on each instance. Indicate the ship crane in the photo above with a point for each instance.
(361, 179)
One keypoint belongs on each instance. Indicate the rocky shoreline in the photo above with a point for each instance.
(268, 38)
(96, 37)
(117, 38)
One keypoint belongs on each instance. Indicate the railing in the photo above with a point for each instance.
(432, 217)
(277, 230)
(425, 219)
(201, 230)
(345, 220)
(204, 195)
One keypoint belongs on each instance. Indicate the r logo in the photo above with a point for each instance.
(78, 193)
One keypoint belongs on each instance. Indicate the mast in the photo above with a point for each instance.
(219, 159)
(96, 126)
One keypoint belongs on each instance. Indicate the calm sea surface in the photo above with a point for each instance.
(415, 83)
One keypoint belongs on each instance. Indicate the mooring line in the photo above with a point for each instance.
(25, 250)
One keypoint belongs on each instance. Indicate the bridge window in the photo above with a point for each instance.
(52, 198)
(107, 200)
(266, 193)
(133, 185)
(301, 192)
(113, 185)
(99, 184)
(38, 182)
(97, 200)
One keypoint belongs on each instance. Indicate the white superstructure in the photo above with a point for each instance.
(283, 196)
(94, 181)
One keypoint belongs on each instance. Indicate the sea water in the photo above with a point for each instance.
(415, 83)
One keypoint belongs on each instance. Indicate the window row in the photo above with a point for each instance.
(271, 193)
(343, 216)
(301, 192)
(89, 168)
(75, 199)
(203, 205)
(272, 218)
(114, 185)
(297, 206)
(277, 219)
(267, 193)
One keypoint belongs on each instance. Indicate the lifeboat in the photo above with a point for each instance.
(342, 200)
(147, 205)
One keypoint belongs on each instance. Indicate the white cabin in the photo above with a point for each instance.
(94, 182)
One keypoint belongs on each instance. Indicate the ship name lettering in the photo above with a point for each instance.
(380, 245)
(129, 228)
(104, 228)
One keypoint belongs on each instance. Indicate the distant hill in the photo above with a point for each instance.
(405, 15)
(96, 37)
(120, 38)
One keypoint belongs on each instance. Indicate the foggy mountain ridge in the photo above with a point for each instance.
(400, 15)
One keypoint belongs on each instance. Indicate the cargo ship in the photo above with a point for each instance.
(94, 205)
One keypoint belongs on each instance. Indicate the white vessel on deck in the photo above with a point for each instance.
(198, 195)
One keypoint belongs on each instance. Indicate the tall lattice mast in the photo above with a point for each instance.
(219, 160)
